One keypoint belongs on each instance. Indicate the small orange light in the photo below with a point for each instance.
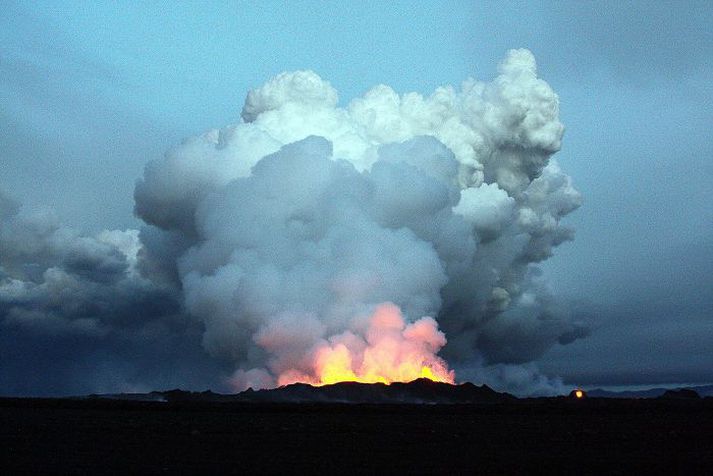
(578, 393)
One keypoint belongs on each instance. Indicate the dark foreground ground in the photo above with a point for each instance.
(542, 437)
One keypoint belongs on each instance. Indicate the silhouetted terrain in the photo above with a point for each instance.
(702, 390)
(205, 433)
(420, 391)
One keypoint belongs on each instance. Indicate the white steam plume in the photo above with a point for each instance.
(296, 224)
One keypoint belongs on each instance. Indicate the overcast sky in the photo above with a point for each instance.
(91, 91)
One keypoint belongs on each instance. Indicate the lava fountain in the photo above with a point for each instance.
(390, 350)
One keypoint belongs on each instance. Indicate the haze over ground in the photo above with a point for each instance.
(92, 93)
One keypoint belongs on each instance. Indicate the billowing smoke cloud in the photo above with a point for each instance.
(76, 316)
(287, 232)
(54, 278)
(310, 242)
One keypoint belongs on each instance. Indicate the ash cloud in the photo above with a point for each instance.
(304, 217)
(55, 278)
(268, 241)
(77, 317)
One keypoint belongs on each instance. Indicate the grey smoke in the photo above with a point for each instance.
(77, 317)
(267, 238)
(304, 216)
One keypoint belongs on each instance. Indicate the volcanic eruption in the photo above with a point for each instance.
(389, 351)
(318, 243)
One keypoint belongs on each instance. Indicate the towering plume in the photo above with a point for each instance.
(318, 243)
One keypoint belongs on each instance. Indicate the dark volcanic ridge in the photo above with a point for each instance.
(657, 392)
(420, 391)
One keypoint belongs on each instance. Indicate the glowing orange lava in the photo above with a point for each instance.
(390, 350)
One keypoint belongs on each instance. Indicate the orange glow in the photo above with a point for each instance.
(390, 350)
(578, 393)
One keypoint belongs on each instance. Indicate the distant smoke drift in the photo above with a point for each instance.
(311, 240)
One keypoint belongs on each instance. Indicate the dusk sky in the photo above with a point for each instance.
(92, 92)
